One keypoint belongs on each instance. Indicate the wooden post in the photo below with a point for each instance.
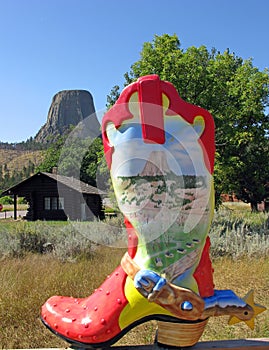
(15, 206)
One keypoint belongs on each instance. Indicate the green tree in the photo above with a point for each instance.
(90, 162)
(74, 156)
(114, 95)
(248, 169)
(52, 156)
(234, 91)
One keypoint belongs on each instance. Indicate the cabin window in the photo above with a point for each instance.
(47, 203)
(53, 203)
(61, 203)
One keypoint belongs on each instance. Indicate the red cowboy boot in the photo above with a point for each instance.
(160, 151)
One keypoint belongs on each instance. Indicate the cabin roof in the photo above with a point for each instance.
(70, 182)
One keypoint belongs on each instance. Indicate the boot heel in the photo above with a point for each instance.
(180, 334)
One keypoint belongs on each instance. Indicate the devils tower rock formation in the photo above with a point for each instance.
(68, 107)
(156, 165)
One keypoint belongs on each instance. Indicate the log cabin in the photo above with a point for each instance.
(51, 196)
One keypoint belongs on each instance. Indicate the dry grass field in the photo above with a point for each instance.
(15, 160)
(26, 283)
(75, 267)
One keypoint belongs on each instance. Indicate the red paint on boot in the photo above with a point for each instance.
(120, 112)
(94, 319)
(132, 238)
(151, 110)
(90, 320)
(204, 273)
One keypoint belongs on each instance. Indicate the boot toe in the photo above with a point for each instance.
(92, 320)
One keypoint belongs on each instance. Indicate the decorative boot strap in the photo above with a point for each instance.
(181, 302)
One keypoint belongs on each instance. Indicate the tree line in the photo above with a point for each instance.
(28, 145)
(8, 179)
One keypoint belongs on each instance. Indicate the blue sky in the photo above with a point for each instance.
(52, 45)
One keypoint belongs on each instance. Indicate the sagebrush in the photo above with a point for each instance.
(232, 234)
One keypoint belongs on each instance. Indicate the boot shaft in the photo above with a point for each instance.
(160, 150)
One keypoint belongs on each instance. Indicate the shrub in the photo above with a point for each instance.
(6, 200)
(66, 240)
(240, 234)
(234, 235)
(22, 200)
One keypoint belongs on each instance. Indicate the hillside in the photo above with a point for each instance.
(17, 165)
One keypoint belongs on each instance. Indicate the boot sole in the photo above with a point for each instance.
(77, 344)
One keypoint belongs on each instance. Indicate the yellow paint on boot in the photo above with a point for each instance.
(138, 306)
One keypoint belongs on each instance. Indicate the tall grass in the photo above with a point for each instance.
(239, 233)
(42, 259)
(26, 283)
(241, 276)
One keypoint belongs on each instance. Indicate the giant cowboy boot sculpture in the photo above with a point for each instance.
(160, 151)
